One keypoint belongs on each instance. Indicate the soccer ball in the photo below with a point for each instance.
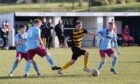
(95, 72)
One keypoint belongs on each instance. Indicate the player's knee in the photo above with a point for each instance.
(31, 61)
(72, 61)
(115, 57)
(86, 54)
(17, 61)
(104, 61)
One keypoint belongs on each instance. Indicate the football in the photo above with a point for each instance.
(95, 72)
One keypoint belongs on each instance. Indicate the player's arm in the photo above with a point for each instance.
(92, 33)
(41, 42)
(116, 44)
(89, 33)
(39, 39)
(65, 41)
(100, 35)
(18, 42)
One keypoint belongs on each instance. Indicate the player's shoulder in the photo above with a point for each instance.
(103, 30)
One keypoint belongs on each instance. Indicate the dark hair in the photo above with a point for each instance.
(78, 22)
(37, 21)
(22, 26)
(110, 23)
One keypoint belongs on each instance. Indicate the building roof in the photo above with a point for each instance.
(84, 14)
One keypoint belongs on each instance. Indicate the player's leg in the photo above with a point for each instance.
(18, 59)
(114, 61)
(86, 55)
(36, 68)
(68, 64)
(71, 62)
(31, 54)
(25, 56)
(51, 62)
(42, 52)
(65, 66)
(27, 68)
(103, 59)
(75, 56)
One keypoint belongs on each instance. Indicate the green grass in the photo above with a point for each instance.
(131, 7)
(67, 7)
(128, 68)
(51, 7)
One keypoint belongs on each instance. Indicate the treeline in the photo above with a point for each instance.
(39, 1)
(91, 2)
(110, 2)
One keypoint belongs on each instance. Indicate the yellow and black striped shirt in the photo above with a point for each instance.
(77, 37)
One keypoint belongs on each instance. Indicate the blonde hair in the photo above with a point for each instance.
(36, 21)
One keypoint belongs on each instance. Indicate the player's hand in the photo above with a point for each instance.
(23, 40)
(65, 46)
(42, 46)
(119, 53)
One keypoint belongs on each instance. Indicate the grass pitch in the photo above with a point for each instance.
(128, 67)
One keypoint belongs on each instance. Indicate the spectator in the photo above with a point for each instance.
(30, 24)
(4, 34)
(128, 39)
(43, 27)
(49, 28)
(59, 29)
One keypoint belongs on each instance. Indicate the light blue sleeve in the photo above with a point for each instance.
(26, 35)
(16, 38)
(115, 41)
(38, 32)
(100, 33)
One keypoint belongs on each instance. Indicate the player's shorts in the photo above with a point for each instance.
(39, 51)
(22, 55)
(77, 52)
(109, 52)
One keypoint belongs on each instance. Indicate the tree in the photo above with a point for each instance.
(40, 1)
(80, 2)
(73, 2)
(28, 1)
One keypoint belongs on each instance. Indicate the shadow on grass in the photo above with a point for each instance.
(130, 62)
(43, 76)
(18, 77)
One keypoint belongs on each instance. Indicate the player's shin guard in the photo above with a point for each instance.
(85, 61)
(68, 64)
(27, 67)
(48, 56)
(114, 62)
(100, 65)
(36, 68)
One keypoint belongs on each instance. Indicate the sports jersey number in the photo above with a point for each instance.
(30, 33)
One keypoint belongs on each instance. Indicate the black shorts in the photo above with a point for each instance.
(77, 52)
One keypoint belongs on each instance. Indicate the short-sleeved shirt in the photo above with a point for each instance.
(77, 37)
(32, 38)
(108, 36)
(23, 46)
